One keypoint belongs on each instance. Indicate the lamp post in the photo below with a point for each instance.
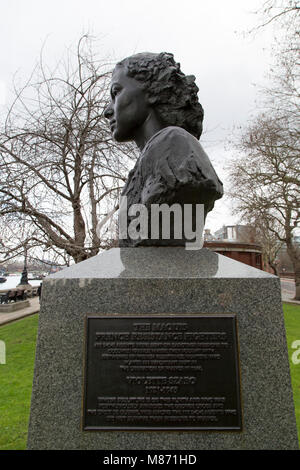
(24, 277)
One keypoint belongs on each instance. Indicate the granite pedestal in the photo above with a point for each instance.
(161, 280)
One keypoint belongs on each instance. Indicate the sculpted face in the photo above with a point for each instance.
(129, 109)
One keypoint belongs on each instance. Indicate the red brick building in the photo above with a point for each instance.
(248, 253)
(236, 242)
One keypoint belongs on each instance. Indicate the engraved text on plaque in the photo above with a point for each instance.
(162, 372)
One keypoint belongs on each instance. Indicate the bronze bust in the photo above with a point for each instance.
(154, 104)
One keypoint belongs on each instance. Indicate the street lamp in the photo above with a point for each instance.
(24, 277)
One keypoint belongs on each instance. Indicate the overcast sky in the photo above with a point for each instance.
(205, 37)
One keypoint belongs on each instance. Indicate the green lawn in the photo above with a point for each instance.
(16, 381)
(292, 326)
(17, 374)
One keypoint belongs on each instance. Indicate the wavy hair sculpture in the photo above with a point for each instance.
(172, 93)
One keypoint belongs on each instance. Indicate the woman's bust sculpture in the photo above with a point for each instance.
(154, 104)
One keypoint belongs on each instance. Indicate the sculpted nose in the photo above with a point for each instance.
(108, 112)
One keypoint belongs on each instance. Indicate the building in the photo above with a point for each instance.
(241, 233)
(236, 242)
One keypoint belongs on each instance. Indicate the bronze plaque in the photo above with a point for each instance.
(166, 372)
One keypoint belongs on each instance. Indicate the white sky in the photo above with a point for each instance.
(205, 37)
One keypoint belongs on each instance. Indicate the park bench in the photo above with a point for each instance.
(13, 296)
(10, 296)
(4, 297)
(21, 295)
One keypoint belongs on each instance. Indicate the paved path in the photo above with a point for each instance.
(288, 290)
(25, 312)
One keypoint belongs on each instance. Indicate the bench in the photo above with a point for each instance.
(13, 296)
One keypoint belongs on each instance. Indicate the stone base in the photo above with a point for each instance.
(161, 281)
(14, 306)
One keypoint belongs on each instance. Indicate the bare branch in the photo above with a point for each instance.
(58, 159)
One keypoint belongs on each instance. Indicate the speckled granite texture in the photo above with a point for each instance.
(161, 280)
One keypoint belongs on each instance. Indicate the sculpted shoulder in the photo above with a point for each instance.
(170, 146)
(176, 155)
(171, 138)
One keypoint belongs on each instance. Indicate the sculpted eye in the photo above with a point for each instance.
(115, 91)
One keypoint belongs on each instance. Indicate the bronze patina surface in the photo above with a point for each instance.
(154, 104)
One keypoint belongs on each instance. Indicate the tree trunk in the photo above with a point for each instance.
(94, 218)
(79, 233)
(274, 267)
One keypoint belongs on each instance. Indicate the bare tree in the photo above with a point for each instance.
(281, 12)
(60, 168)
(265, 177)
(265, 182)
(14, 237)
(269, 242)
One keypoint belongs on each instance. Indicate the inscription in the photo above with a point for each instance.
(172, 348)
(163, 409)
(175, 373)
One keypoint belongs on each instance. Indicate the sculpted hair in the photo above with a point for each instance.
(171, 92)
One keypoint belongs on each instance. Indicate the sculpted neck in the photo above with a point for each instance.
(151, 126)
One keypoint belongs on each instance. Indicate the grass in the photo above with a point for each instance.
(16, 381)
(17, 374)
(292, 327)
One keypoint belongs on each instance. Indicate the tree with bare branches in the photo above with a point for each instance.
(265, 176)
(265, 182)
(278, 11)
(61, 172)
